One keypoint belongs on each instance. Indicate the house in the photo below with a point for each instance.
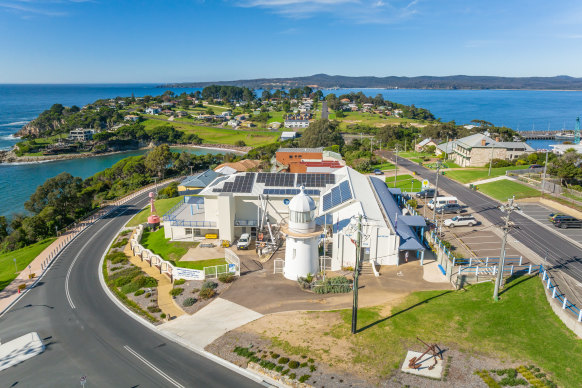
(233, 123)
(153, 110)
(287, 136)
(296, 123)
(256, 203)
(274, 125)
(306, 160)
(345, 101)
(240, 166)
(81, 134)
(445, 148)
(131, 118)
(193, 184)
(477, 150)
(425, 143)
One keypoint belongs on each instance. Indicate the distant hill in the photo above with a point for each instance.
(452, 82)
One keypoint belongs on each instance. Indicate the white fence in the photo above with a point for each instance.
(232, 266)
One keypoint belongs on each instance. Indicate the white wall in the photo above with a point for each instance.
(301, 257)
(226, 217)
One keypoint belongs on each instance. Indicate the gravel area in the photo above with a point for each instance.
(192, 290)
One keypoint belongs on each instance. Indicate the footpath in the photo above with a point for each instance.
(11, 293)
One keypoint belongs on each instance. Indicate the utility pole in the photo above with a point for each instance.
(396, 167)
(490, 160)
(436, 191)
(505, 209)
(356, 273)
(545, 170)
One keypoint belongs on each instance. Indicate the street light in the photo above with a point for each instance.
(436, 191)
(15, 267)
(545, 170)
(396, 167)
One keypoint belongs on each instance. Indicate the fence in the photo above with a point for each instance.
(232, 266)
(570, 308)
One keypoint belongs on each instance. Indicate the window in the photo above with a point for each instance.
(302, 217)
(197, 232)
(294, 253)
(188, 231)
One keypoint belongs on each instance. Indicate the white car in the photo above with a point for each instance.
(244, 241)
(460, 221)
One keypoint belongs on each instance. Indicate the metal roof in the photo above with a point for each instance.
(200, 180)
(319, 149)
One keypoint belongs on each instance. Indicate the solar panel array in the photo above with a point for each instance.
(315, 180)
(276, 179)
(337, 196)
(289, 191)
(241, 184)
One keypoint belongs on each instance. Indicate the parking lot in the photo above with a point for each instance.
(540, 213)
(483, 243)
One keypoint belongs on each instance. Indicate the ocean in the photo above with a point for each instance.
(517, 109)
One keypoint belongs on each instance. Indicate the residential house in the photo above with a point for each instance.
(81, 134)
(240, 166)
(425, 143)
(131, 118)
(153, 110)
(477, 150)
(193, 184)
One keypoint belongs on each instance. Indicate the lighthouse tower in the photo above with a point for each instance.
(302, 237)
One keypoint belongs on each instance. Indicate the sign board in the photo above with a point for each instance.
(425, 184)
(367, 251)
(211, 236)
(286, 201)
(232, 268)
(365, 243)
(188, 274)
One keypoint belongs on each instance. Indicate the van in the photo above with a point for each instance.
(440, 201)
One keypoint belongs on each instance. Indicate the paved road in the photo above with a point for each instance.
(561, 253)
(89, 335)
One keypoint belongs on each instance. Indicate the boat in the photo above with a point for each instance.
(564, 136)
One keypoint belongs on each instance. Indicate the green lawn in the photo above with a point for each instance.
(162, 206)
(213, 135)
(384, 166)
(23, 257)
(504, 189)
(405, 183)
(200, 264)
(366, 118)
(168, 250)
(520, 328)
(471, 174)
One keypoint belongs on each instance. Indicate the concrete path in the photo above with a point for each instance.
(165, 300)
(497, 178)
(210, 323)
(431, 272)
(20, 349)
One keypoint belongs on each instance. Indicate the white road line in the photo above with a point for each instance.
(75, 259)
(155, 368)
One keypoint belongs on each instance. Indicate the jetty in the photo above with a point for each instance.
(546, 135)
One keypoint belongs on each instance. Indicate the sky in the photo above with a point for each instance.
(131, 41)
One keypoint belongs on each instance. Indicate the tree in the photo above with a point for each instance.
(157, 159)
(322, 133)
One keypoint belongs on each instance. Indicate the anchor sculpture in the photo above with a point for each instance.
(415, 362)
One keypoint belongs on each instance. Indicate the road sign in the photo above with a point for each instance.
(232, 268)
(425, 184)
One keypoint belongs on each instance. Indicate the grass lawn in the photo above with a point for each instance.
(23, 257)
(168, 250)
(471, 174)
(366, 118)
(162, 206)
(405, 183)
(520, 328)
(213, 135)
(200, 264)
(504, 189)
(384, 166)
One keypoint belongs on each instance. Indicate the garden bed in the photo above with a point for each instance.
(191, 289)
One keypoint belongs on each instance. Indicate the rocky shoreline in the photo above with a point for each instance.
(9, 157)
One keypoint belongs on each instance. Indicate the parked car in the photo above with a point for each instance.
(378, 172)
(535, 166)
(244, 241)
(567, 222)
(461, 221)
(426, 193)
(450, 208)
(551, 216)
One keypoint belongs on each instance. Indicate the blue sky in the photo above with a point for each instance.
(77, 41)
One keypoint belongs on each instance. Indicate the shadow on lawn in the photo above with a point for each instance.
(403, 311)
(516, 281)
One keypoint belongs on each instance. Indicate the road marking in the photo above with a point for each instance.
(155, 368)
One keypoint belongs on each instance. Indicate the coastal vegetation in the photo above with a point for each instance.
(22, 257)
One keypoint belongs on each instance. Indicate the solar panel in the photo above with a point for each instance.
(241, 184)
(315, 180)
(338, 195)
(290, 192)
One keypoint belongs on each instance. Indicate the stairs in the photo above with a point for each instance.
(366, 269)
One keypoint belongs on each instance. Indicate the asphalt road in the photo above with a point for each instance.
(88, 335)
(561, 254)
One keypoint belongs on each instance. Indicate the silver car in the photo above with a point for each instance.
(460, 221)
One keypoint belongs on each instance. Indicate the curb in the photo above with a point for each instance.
(569, 239)
(263, 380)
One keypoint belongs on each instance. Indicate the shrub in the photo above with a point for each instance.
(292, 376)
(120, 243)
(209, 285)
(117, 258)
(275, 355)
(226, 278)
(333, 285)
(243, 352)
(279, 368)
(176, 291)
(22, 286)
(293, 364)
(312, 368)
(163, 315)
(148, 294)
(267, 364)
(154, 309)
(179, 282)
(283, 360)
(122, 281)
(113, 269)
(310, 360)
(195, 290)
(412, 203)
(303, 365)
(188, 302)
(139, 292)
(207, 293)
(285, 372)
(304, 378)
